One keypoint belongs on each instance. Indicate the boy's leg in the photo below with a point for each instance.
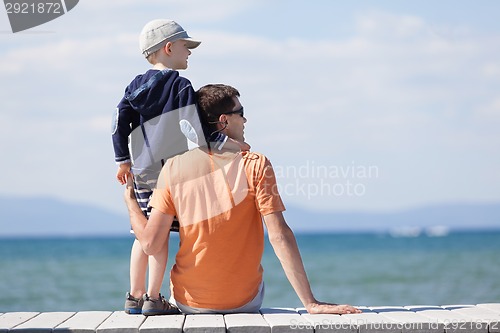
(138, 267)
(138, 259)
(157, 266)
(154, 302)
(143, 188)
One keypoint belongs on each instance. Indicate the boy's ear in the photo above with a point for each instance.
(168, 48)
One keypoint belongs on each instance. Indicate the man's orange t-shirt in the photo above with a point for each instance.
(219, 199)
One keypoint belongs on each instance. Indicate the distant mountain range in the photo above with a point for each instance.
(446, 217)
(44, 217)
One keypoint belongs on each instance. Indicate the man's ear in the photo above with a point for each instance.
(223, 118)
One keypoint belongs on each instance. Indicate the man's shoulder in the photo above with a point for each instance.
(193, 156)
(255, 158)
(253, 155)
(203, 152)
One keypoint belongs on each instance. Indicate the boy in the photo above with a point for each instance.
(156, 119)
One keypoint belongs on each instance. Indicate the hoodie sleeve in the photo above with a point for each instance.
(121, 128)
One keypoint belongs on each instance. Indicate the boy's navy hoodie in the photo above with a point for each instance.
(159, 114)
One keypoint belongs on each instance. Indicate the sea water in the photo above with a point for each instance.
(77, 274)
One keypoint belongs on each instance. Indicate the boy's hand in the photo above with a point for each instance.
(123, 173)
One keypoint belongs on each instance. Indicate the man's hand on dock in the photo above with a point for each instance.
(321, 307)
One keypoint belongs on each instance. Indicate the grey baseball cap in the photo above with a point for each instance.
(157, 33)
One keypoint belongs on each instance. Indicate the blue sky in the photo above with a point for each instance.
(360, 105)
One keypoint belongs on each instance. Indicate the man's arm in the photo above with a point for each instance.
(153, 233)
(285, 246)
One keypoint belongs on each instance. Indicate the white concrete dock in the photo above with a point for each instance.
(479, 318)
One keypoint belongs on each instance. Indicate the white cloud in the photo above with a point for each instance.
(489, 112)
(396, 77)
(183, 12)
(65, 54)
(491, 70)
(381, 25)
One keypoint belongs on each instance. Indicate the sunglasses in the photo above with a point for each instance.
(239, 111)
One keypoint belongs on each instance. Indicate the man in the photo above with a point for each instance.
(220, 198)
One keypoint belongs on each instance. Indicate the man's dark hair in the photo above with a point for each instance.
(214, 100)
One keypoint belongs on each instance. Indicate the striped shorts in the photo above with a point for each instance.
(143, 189)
